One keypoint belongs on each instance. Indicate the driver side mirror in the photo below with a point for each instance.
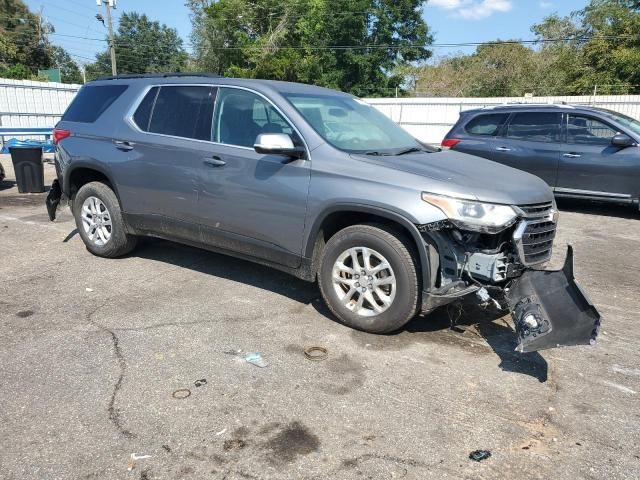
(277, 144)
(623, 141)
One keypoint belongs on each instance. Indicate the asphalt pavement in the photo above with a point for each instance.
(135, 369)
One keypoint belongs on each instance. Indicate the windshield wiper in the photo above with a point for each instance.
(378, 154)
(410, 150)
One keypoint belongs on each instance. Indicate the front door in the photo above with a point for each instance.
(591, 166)
(531, 143)
(252, 203)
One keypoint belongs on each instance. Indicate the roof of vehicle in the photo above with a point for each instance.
(508, 107)
(207, 78)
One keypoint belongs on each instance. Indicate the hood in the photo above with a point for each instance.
(461, 175)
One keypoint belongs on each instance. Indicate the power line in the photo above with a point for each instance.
(391, 46)
(47, 17)
(433, 45)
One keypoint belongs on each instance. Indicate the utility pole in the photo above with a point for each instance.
(43, 40)
(109, 4)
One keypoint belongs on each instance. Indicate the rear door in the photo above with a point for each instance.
(166, 141)
(531, 142)
(478, 135)
(591, 166)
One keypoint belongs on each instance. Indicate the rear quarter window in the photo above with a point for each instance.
(142, 117)
(91, 102)
(487, 125)
(535, 127)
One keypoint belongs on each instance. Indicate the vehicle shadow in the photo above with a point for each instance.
(597, 208)
(499, 337)
(491, 326)
(224, 266)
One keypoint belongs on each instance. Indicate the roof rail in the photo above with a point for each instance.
(527, 104)
(126, 76)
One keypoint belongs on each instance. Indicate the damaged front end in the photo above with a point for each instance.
(502, 266)
(550, 309)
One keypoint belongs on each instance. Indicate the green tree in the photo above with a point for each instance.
(494, 70)
(596, 46)
(604, 50)
(142, 46)
(611, 56)
(23, 46)
(69, 70)
(312, 41)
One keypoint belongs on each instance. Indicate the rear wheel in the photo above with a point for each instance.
(99, 221)
(368, 278)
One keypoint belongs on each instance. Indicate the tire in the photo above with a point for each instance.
(398, 305)
(110, 240)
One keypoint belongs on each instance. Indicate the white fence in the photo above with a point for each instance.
(25, 103)
(429, 119)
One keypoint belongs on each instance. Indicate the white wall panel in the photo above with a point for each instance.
(429, 119)
(26, 103)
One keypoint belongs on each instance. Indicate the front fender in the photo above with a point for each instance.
(425, 267)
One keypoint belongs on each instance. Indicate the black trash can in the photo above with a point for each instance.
(27, 164)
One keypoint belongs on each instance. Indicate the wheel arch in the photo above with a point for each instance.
(83, 173)
(337, 217)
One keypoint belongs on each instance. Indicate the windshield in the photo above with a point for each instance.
(352, 125)
(628, 122)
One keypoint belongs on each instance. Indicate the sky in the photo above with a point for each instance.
(451, 21)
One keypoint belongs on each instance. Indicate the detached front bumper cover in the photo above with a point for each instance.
(53, 199)
(550, 309)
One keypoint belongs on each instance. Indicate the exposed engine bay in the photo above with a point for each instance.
(505, 269)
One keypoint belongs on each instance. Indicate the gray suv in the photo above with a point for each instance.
(321, 185)
(581, 152)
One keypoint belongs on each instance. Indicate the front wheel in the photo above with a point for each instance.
(99, 221)
(368, 278)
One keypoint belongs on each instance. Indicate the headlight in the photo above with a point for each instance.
(472, 215)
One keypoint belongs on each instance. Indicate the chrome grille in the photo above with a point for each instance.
(535, 233)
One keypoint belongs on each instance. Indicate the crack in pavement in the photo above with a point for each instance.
(114, 412)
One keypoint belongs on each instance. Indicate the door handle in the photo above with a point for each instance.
(572, 155)
(503, 149)
(124, 146)
(214, 162)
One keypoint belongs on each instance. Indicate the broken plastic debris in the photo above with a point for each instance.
(256, 359)
(479, 455)
(89, 289)
(221, 432)
(134, 457)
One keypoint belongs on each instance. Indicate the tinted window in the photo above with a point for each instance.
(535, 127)
(588, 131)
(143, 113)
(486, 124)
(184, 112)
(241, 116)
(91, 102)
(626, 121)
